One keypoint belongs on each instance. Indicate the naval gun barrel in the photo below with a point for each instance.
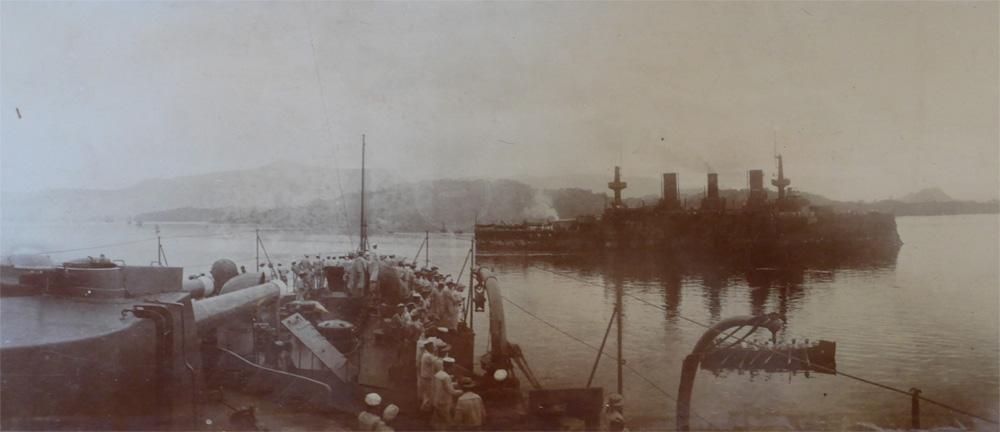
(223, 271)
(199, 287)
(214, 311)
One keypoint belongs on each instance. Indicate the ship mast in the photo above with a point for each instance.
(363, 243)
(617, 187)
(618, 314)
(781, 182)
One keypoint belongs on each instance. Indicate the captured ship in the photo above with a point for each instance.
(761, 229)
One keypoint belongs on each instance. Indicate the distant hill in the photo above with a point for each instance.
(428, 205)
(637, 186)
(279, 184)
(929, 195)
(296, 195)
(900, 208)
(184, 214)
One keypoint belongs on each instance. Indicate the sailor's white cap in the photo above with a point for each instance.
(373, 399)
(500, 374)
(448, 360)
(443, 329)
(390, 412)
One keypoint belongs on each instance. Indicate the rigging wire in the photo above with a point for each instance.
(626, 365)
(202, 236)
(125, 243)
(109, 245)
(329, 126)
(201, 266)
(758, 345)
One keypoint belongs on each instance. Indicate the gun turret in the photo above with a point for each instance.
(96, 344)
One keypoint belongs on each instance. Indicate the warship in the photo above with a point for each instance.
(97, 344)
(761, 230)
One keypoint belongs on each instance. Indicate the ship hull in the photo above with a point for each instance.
(757, 236)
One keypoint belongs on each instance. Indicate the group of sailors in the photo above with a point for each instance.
(307, 275)
(423, 296)
(376, 418)
(427, 315)
(453, 407)
(427, 324)
(427, 298)
(446, 393)
(434, 296)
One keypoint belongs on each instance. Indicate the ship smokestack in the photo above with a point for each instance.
(713, 186)
(756, 180)
(757, 196)
(671, 197)
(712, 202)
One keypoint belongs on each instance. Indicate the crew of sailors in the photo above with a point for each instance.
(374, 417)
(428, 307)
(450, 406)
(434, 296)
(425, 296)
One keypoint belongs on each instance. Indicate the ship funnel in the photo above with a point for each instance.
(713, 186)
(712, 202)
(757, 195)
(756, 180)
(671, 197)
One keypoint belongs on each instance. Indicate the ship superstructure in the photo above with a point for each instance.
(758, 227)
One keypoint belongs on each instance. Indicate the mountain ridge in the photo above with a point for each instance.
(927, 195)
(273, 185)
(282, 191)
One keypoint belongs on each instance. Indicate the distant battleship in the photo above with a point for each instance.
(761, 229)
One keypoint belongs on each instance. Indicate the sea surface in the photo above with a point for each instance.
(927, 318)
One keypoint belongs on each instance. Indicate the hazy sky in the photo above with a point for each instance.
(866, 100)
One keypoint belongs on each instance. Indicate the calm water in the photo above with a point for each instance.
(928, 319)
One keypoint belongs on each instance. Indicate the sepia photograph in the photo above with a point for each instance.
(424, 215)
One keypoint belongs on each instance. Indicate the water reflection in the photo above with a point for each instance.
(712, 285)
(787, 284)
(672, 295)
(926, 320)
(781, 287)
